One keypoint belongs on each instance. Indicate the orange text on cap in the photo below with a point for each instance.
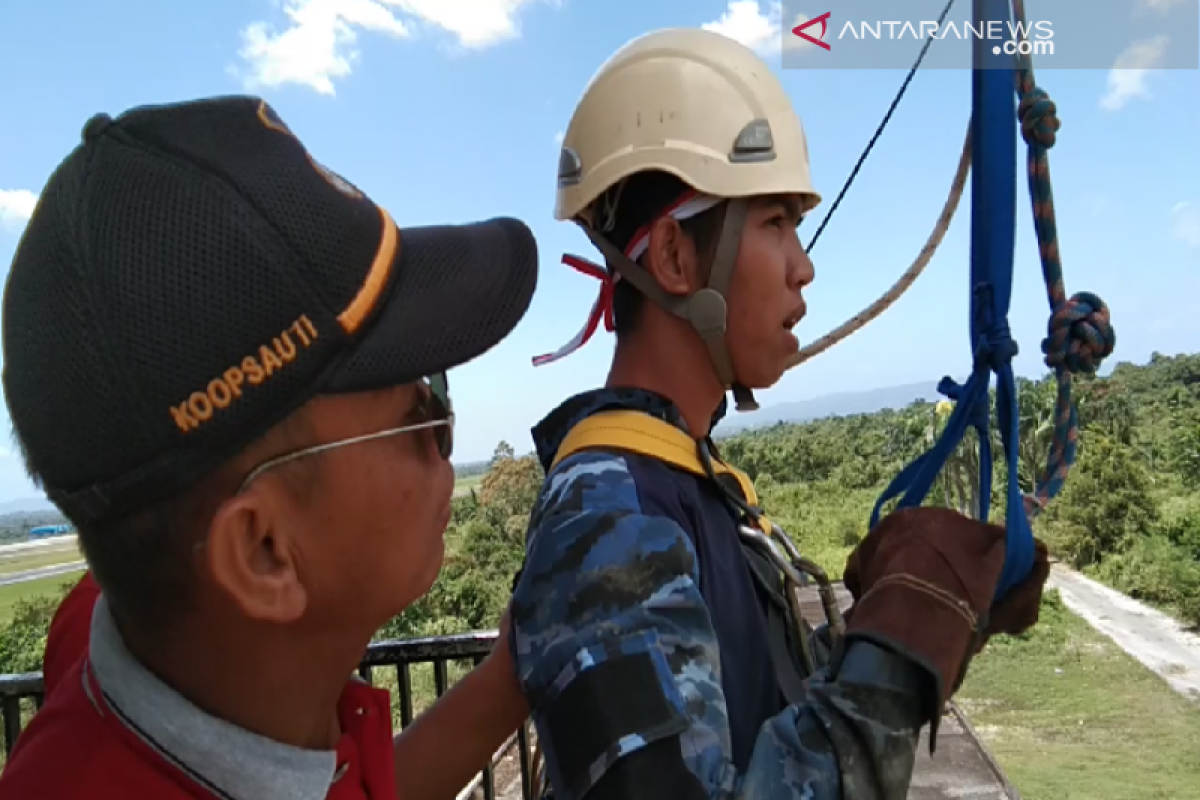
(255, 368)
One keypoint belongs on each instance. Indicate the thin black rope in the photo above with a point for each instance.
(879, 130)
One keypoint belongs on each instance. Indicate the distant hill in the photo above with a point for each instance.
(32, 519)
(840, 404)
(26, 504)
(827, 405)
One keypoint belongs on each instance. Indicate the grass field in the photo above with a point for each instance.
(11, 594)
(464, 485)
(1070, 716)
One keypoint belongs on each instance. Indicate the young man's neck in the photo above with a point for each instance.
(664, 355)
(258, 681)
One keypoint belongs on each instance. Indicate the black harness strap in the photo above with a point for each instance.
(781, 631)
(779, 627)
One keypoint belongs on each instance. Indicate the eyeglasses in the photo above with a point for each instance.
(439, 415)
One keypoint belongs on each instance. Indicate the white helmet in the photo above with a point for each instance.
(704, 108)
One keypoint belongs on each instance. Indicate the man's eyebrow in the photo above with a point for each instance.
(789, 205)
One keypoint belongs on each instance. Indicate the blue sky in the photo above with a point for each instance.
(450, 110)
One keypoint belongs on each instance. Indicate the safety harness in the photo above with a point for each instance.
(645, 435)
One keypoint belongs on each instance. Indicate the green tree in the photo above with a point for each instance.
(1107, 502)
(1185, 454)
(504, 452)
(23, 637)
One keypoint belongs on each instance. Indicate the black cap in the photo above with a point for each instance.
(191, 276)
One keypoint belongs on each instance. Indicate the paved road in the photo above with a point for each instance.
(1153, 638)
(49, 545)
(42, 572)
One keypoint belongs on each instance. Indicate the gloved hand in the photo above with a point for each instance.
(923, 582)
(1017, 611)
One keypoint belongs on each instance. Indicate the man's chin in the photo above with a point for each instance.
(764, 378)
(412, 586)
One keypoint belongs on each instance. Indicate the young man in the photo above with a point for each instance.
(227, 366)
(640, 627)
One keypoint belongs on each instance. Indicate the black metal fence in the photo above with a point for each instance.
(17, 694)
(388, 664)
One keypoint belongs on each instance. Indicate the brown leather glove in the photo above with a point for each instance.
(923, 582)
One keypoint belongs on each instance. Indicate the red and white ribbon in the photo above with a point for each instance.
(689, 205)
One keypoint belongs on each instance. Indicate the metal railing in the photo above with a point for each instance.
(18, 693)
(388, 664)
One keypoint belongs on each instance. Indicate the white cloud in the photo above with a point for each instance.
(744, 21)
(1161, 6)
(320, 41)
(16, 207)
(747, 22)
(1128, 78)
(558, 137)
(1185, 223)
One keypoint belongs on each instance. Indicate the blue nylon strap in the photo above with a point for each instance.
(993, 233)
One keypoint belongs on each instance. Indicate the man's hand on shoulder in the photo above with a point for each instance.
(436, 755)
(500, 670)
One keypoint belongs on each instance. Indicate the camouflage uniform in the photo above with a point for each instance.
(616, 650)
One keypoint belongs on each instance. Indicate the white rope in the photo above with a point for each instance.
(860, 320)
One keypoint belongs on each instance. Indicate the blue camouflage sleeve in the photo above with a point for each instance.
(616, 652)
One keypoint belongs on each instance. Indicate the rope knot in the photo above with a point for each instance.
(1081, 335)
(980, 414)
(996, 346)
(1039, 118)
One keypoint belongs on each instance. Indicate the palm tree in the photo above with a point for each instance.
(960, 476)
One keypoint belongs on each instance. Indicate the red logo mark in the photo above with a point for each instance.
(799, 30)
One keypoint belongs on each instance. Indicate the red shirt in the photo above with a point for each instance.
(68, 636)
(109, 730)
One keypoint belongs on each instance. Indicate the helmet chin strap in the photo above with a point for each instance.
(706, 309)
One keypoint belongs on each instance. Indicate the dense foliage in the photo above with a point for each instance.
(1129, 515)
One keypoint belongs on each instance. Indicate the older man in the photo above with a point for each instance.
(227, 366)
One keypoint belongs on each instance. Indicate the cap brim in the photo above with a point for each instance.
(458, 291)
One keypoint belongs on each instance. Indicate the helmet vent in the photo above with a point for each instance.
(570, 167)
(754, 143)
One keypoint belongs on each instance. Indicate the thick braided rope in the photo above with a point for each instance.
(885, 301)
(860, 320)
(1080, 332)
